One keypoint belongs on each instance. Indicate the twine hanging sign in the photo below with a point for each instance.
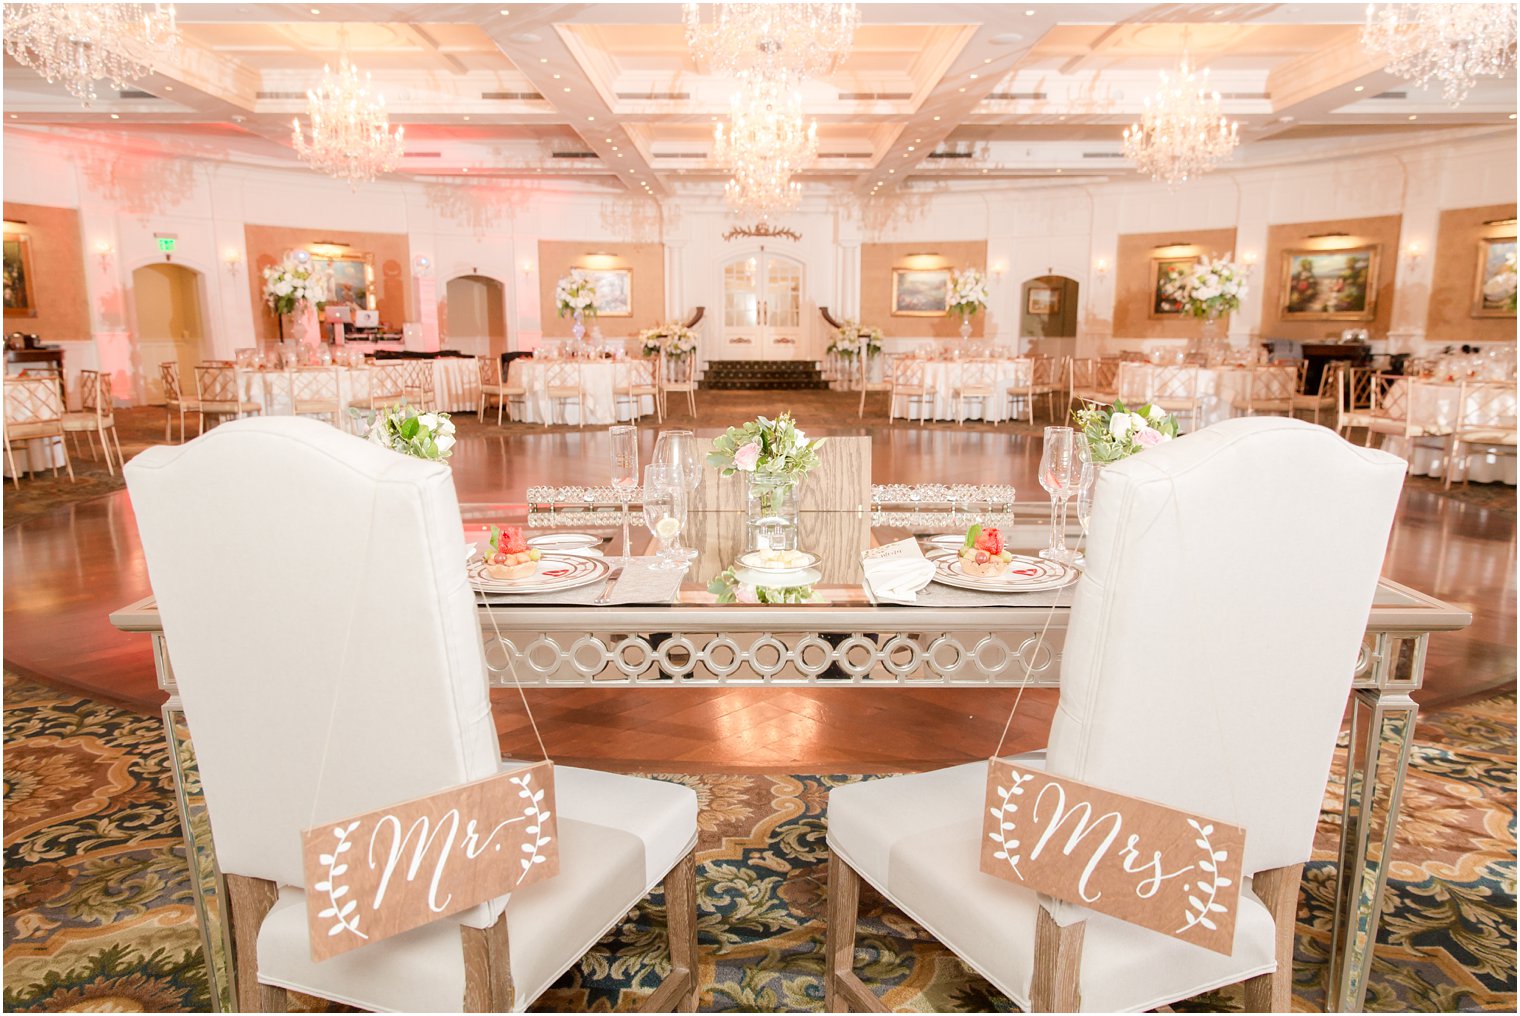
(375, 875)
(1138, 861)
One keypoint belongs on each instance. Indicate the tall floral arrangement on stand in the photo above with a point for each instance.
(291, 286)
(851, 340)
(1210, 289)
(968, 294)
(575, 296)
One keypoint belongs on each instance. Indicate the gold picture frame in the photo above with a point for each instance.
(1161, 306)
(614, 290)
(1492, 253)
(920, 292)
(1043, 301)
(1329, 285)
(20, 299)
(353, 278)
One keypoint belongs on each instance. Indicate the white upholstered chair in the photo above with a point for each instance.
(1172, 689)
(328, 671)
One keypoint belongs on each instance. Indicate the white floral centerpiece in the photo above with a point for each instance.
(402, 429)
(968, 292)
(1210, 288)
(652, 341)
(675, 340)
(729, 588)
(575, 295)
(1117, 432)
(292, 286)
(1500, 288)
(851, 340)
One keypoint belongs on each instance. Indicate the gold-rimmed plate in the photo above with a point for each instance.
(1025, 574)
(555, 572)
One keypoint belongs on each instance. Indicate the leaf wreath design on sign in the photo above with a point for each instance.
(1135, 860)
(428, 858)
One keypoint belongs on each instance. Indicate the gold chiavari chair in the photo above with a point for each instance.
(384, 386)
(1395, 410)
(1270, 389)
(219, 392)
(1133, 383)
(316, 391)
(1093, 380)
(95, 417)
(175, 400)
(34, 410)
(678, 375)
(562, 386)
(1326, 396)
(978, 382)
(910, 381)
(417, 385)
(639, 381)
(1355, 398)
(867, 385)
(1485, 419)
(1175, 388)
(1043, 379)
(494, 386)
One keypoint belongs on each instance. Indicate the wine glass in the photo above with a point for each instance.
(1060, 475)
(678, 448)
(1087, 485)
(665, 512)
(625, 473)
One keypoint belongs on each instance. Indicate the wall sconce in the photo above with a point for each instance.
(527, 268)
(1101, 267)
(422, 266)
(105, 250)
(999, 267)
(233, 260)
(1414, 253)
(1249, 260)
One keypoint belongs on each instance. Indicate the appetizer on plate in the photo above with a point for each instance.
(509, 556)
(983, 554)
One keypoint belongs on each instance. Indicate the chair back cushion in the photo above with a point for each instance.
(320, 627)
(1218, 623)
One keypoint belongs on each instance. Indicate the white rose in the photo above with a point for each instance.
(428, 420)
(1119, 424)
(1155, 413)
(445, 441)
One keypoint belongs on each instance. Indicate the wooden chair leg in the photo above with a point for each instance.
(10, 457)
(1057, 981)
(842, 990)
(1277, 888)
(249, 901)
(680, 991)
(487, 968)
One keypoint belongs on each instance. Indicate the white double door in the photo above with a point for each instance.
(762, 308)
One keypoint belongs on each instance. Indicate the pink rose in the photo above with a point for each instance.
(746, 457)
(1149, 437)
(746, 594)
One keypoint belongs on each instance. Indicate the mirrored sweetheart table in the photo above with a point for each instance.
(843, 638)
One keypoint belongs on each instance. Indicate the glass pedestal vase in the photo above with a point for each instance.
(1211, 345)
(965, 329)
(578, 329)
(771, 512)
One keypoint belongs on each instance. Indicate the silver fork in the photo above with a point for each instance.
(612, 577)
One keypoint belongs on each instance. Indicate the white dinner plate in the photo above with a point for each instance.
(755, 561)
(555, 572)
(1024, 575)
(566, 543)
(946, 541)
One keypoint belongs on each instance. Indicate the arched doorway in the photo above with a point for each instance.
(167, 302)
(762, 308)
(474, 319)
(1047, 314)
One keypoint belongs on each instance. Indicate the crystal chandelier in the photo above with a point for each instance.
(350, 131)
(1453, 42)
(766, 143)
(782, 41)
(79, 44)
(1181, 132)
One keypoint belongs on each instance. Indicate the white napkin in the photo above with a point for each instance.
(897, 571)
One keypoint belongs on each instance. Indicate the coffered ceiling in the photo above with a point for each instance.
(932, 94)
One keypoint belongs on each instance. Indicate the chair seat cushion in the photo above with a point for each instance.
(618, 837)
(917, 839)
(1491, 436)
(85, 421)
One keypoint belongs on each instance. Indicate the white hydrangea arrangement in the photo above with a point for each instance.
(675, 339)
(1211, 288)
(850, 340)
(575, 294)
(292, 285)
(1501, 287)
(402, 429)
(968, 292)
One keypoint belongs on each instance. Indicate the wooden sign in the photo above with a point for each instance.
(1136, 860)
(376, 875)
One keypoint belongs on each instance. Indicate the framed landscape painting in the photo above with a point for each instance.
(1493, 289)
(1330, 285)
(1043, 301)
(19, 301)
(353, 280)
(614, 290)
(1164, 270)
(920, 292)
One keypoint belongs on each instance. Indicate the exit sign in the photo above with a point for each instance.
(166, 244)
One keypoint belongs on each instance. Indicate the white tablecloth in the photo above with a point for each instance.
(1435, 404)
(599, 378)
(37, 455)
(944, 376)
(456, 386)
(1222, 389)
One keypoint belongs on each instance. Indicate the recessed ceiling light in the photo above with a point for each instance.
(936, 118)
(614, 147)
(543, 59)
(910, 148)
(466, 117)
(505, 12)
(1060, 171)
(620, 155)
(168, 88)
(1512, 116)
(891, 171)
(556, 77)
(117, 116)
(1360, 88)
(316, 10)
(590, 118)
(1029, 14)
(15, 117)
(984, 171)
(987, 61)
(567, 88)
(962, 89)
(1414, 116)
(918, 141)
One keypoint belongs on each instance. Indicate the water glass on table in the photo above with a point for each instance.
(1060, 475)
(678, 448)
(665, 513)
(625, 472)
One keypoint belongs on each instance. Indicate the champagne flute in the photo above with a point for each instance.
(678, 448)
(1060, 475)
(625, 473)
(1087, 485)
(665, 512)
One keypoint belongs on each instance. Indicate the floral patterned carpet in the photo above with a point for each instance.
(98, 914)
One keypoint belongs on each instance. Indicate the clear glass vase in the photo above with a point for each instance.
(770, 512)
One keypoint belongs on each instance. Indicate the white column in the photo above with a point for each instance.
(1413, 262)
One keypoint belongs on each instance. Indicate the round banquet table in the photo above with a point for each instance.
(599, 378)
(944, 376)
(456, 385)
(1435, 405)
(1221, 389)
